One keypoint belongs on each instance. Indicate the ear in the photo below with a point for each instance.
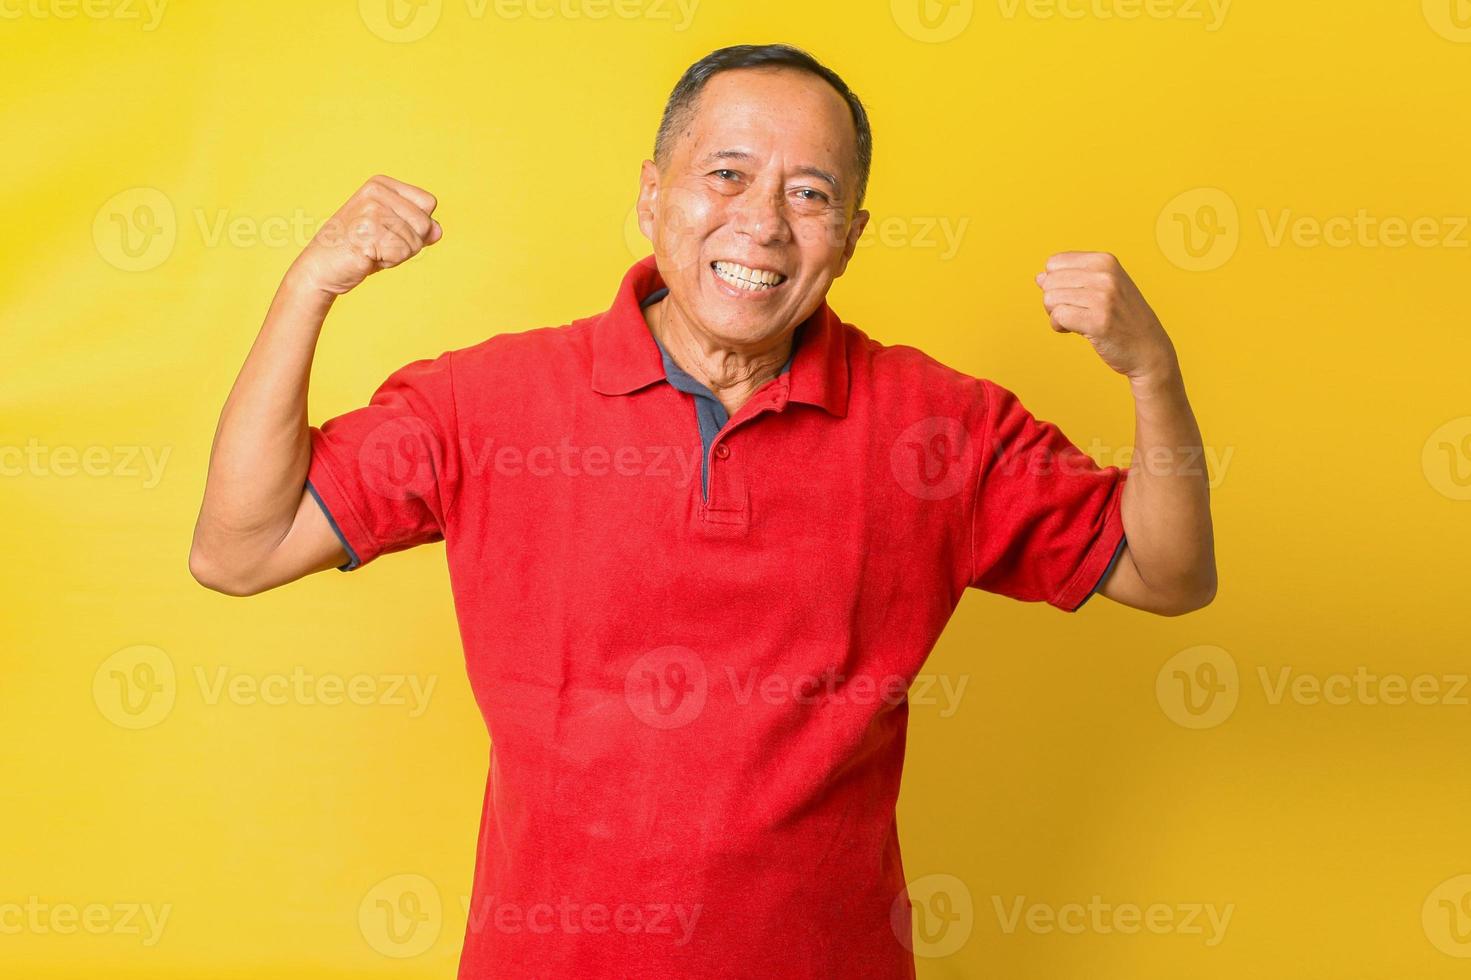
(648, 194)
(855, 230)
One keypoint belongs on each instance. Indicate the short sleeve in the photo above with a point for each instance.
(1047, 524)
(384, 474)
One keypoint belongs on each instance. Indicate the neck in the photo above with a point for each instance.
(733, 374)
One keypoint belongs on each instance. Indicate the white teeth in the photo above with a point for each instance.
(747, 278)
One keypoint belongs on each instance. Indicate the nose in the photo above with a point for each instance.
(759, 213)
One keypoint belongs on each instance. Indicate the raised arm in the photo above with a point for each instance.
(258, 526)
(1168, 566)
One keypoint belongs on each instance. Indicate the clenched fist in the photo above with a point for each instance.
(386, 222)
(1089, 293)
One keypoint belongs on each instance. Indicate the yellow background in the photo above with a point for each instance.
(1330, 383)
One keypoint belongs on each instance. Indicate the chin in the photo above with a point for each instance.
(743, 328)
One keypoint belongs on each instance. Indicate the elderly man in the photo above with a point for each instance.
(701, 543)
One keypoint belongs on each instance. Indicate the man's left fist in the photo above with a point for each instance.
(1089, 293)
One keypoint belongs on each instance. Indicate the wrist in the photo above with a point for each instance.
(1161, 378)
(298, 288)
(1158, 387)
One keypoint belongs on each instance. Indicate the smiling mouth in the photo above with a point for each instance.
(744, 277)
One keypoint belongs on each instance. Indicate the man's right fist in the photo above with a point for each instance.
(384, 223)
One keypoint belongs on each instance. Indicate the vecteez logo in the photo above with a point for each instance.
(1200, 229)
(934, 916)
(135, 687)
(406, 21)
(1446, 459)
(1451, 19)
(135, 230)
(1198, 687)
(932, 21)
(1446, 916)
(398, 460)
(667, 688)
(401, 916)
(932, 458)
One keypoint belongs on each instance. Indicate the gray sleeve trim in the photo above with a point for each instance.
(1117, 553)
(352, 556)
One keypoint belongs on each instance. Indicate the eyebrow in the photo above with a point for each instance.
(805, 171)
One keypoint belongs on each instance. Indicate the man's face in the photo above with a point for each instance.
(760, 187)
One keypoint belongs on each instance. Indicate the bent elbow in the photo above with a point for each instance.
(213, 576)
(1190, 599)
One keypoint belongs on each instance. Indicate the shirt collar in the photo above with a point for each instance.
(625, 357)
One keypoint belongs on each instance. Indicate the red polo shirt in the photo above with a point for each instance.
(696, 706)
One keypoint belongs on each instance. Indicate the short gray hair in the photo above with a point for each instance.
(684, 100)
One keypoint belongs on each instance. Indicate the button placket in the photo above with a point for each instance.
(727, 501)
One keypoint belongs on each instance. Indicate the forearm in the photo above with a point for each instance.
(261, 453)
(1166, 501)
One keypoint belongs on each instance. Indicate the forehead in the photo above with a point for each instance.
(766, 110)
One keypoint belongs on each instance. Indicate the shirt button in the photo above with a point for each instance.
(722, 451)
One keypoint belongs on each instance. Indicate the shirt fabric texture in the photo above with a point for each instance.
(695, 699)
